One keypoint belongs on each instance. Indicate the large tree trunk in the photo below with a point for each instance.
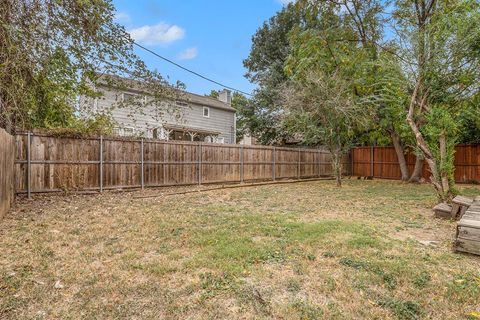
(400, 155)
(443, 193)
(417, 170)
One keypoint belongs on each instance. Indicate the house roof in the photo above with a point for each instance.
(136, 86)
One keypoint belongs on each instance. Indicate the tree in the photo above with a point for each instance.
(469, 122)
(321, 107)
(390, 98)
(440, 53)
(53, 51)
(265, 65)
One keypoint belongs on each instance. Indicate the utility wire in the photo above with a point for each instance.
(188, 70)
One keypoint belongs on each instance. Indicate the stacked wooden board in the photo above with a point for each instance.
(455, 211)
(468, 229)
(460, 206)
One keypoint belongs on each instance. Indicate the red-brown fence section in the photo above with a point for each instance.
(382, 162)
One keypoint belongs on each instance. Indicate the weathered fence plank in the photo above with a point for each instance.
(382, 162)
(7, 157)
(74, 164)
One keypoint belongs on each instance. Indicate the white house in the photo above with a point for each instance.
(191, 118)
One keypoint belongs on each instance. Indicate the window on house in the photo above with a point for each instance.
(156, 133)
(206, 112)
(117, 131)
(220, 140)
(128, 97)
(128, 131)
(208, 139)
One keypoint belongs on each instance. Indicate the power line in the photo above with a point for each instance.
(188, 70)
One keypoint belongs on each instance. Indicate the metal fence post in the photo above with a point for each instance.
(101, 165)
(274, 165)
(164, 163)
(200, 163)
(241, 163)
(29, 164)
(142, 174)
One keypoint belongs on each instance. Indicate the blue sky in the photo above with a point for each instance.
(211, 37)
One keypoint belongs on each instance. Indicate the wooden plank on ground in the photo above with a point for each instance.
(463, 201)
(467, 246)
(443, 211)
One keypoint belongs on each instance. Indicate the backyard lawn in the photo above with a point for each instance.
(371, 250)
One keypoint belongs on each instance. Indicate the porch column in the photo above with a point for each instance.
(192, 135)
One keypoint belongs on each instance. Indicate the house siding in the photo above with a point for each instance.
(222, 121)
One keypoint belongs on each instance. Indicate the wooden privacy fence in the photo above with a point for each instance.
(382, 162)
(49, 164)
(7, 157)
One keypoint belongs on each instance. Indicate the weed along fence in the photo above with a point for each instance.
(49, 164)
(7, 158)
(382, 162)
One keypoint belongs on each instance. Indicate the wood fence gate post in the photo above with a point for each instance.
(241, 163)
(101, 165)
(164, 167)
(274, 164)
(200, 163)
(142, 174)
(29, 164)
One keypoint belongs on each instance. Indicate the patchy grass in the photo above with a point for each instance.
(294, 251)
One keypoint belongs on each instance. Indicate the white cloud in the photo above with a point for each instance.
(188, 54)
(285, 2)
(161, 33)
(122, 17)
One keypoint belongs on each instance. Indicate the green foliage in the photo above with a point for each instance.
(439, 121)
(245, 114)
(99, 124)
(265, 65)
(438, 42)
(52, 52)
(321, 109)
(469, 122)
(388, 96)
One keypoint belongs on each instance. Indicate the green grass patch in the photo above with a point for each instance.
(388, 279)
(306, 311)
(465, 287)
(403, 310)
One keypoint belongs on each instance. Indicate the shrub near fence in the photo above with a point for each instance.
(382, 162)
(7, 153)
(49, 164)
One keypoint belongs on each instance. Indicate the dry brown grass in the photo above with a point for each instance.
(295, 251)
